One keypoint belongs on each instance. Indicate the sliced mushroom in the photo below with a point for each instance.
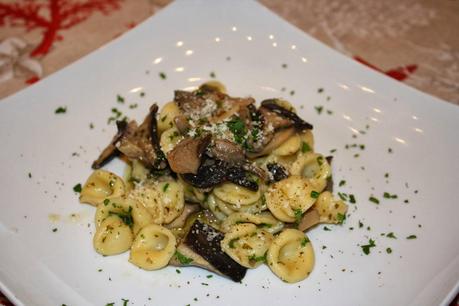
(213, 172)
(279, 138)
(210, 104)
(110, 151)
(238, 176)
(309, 219)
(141, 142)
(191, 259)
(273, 121)
(272, 106)
(227, 151)
(182, 124)
(253, 168)
(205, 241)
(188, 210)
(277, 171)
(185, 157)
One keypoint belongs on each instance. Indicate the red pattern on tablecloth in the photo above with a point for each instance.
(61, 15)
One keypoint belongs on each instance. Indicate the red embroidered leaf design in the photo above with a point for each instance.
(51, 17)
(399, 73)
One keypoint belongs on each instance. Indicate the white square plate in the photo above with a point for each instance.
(253, 52)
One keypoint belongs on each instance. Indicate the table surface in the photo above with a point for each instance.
(413, 41)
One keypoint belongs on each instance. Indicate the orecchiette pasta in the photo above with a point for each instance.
(263, 220)
(163, 200)
(211, 203)
(330, 210)
(308, 138)
(236, 195)
(172, 198)
(113, 236)
(290, 197)
(289, 147)
(101, 185)
(253, 208)
(169, 139)
(138, 172)
(166, 117)
(153, 247)
(151, 200)
(291, 256)
(129, 210)
(191, 193)
(313, 166)
(247, 244)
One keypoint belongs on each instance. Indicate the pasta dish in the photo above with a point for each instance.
(216, 182)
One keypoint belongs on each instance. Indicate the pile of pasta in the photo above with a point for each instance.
(147, 214)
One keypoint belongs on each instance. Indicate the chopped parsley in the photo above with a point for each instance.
(320, 90)
(60, 110)
(232, 242)
(30, 175)
(116, 115)
(298, 215)
(342, 183)
(255, 258)
(119, 99)
(284, 66)
(162, 75)
(165, 187)
(77, 187)
(182, 258)
(305, 147)
(352, 199)
(110, 304)
(212, 75)
(320, 160)
(373, 199)
(132, 106)
(54, 230)
(326, 229)
(391, 235)
(126, 217)
(389, 196)
(304, 241)
(106, 202)
(314, 194)
(209, 276)
(237, 127)
(340, 217)
(125, 302)
(342, 196)
(319, 109)
(388, 250)
(366, 248)
(411, 237)
(265, 225)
